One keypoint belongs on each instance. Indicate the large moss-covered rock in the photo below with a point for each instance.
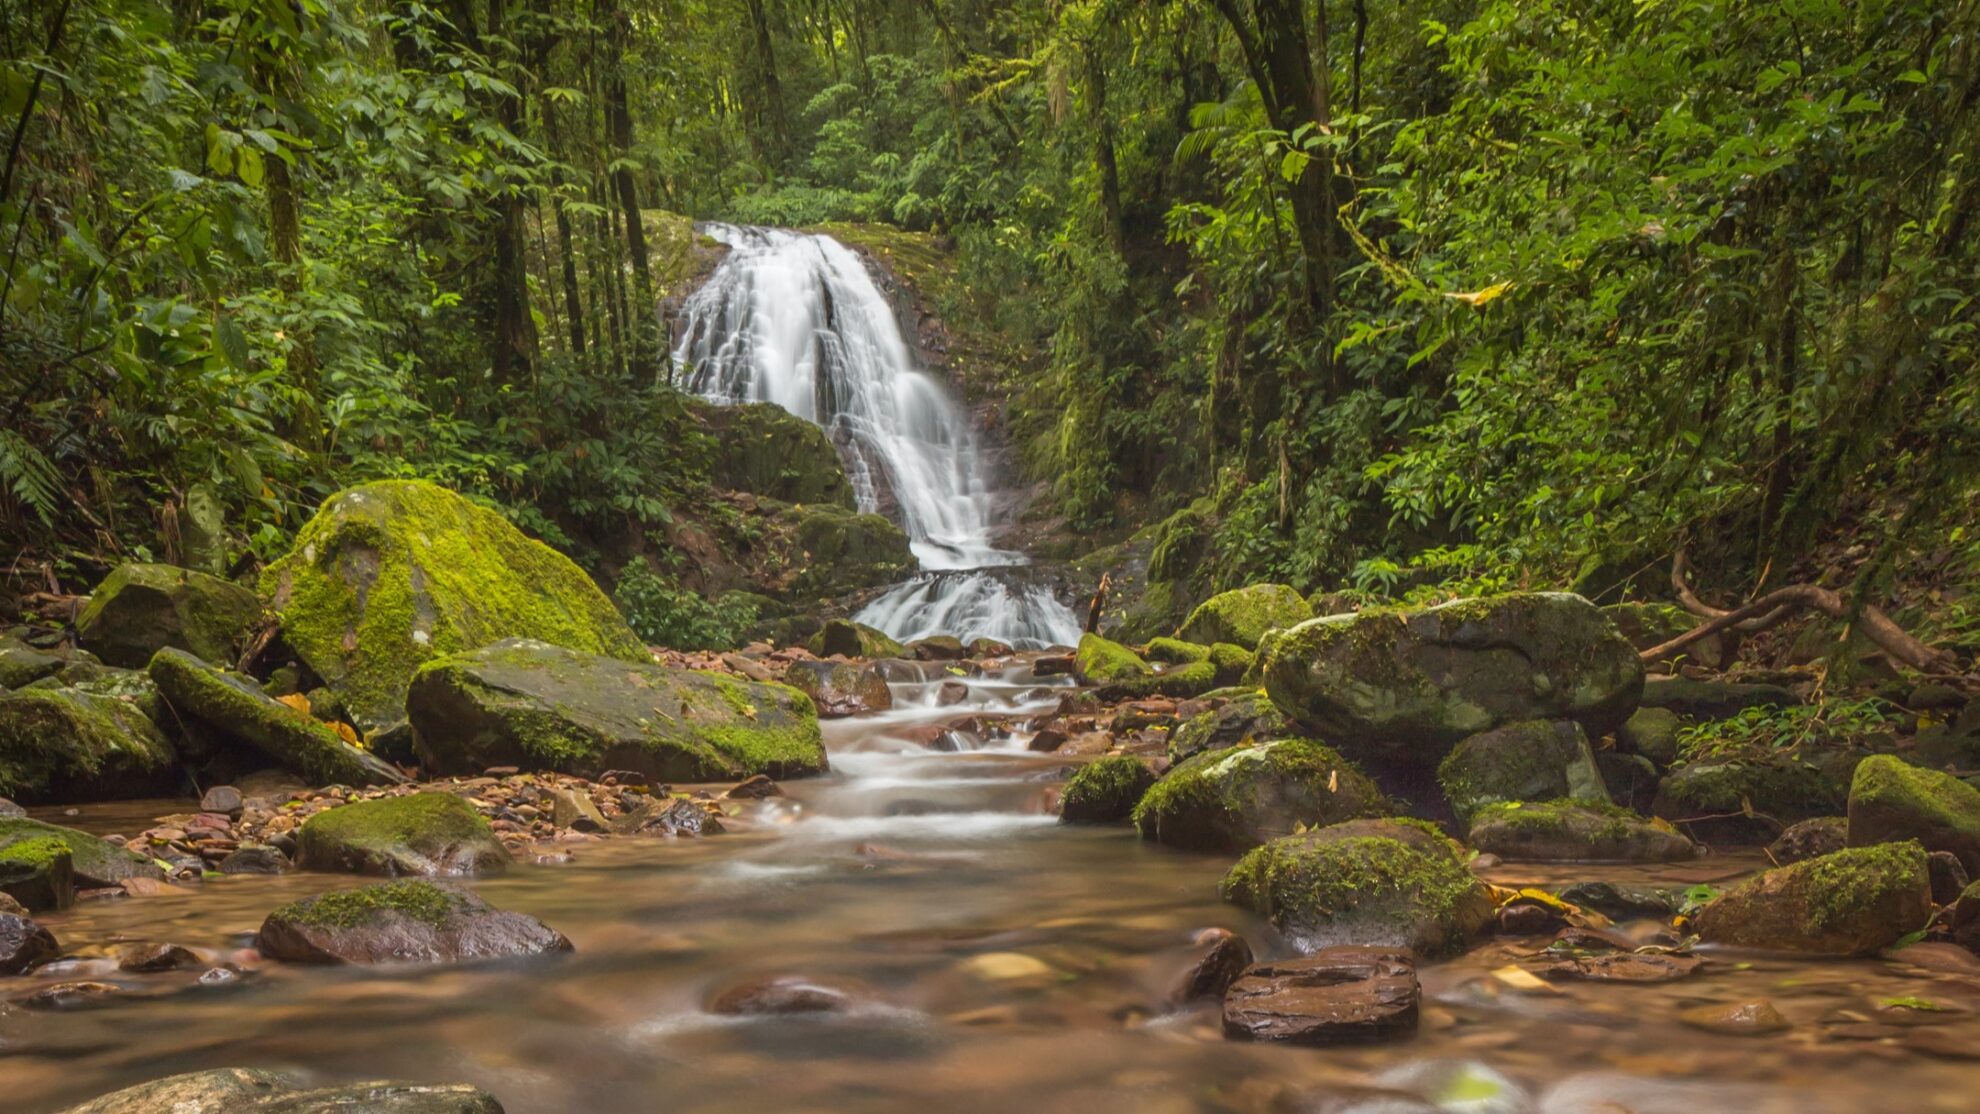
(763, 448)
(1891, 800)
(1651, 733)
(390, 575)
(1246, 717)
(1746, 798)
(1243, 615)
(541, 707)
(1532, 760)
(37, 873)
(139, 610)
(420, 834)
(1104, 790)
(1575, 832)
(845, 638)
(96, 862)
(63, 744)
(251, 1091)
(236, 708)
(1322, 891)
(1412, 684)
(1854, 902)
(1231, 800)
(401, 922)
(844, 549)
(1101, 661)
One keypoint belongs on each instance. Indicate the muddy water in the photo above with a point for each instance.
(1008, 963)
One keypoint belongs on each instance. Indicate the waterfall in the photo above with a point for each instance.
(797, 320)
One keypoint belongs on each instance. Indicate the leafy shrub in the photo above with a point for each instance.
(666, 614)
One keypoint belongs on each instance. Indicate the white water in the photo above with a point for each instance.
(796, 320)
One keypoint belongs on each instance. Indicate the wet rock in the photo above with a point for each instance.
(139, 610)
(1242, 616)
(1105, 790)
(1856, 901)
(223, 799)
(1746, 798)
(401, 922)
(22, 665)
(669, 816)
(1571, 831)
(845, 638)
(1652, 733)
(235, 707)
(755, 787)
(574, 809)
(781, 995)
(1052, 665)
(951, 693)
(1103, 662)
(248, 1091)
(1532, 760)
(1757, 1018)
(1892, 800)
(1220, 956)
(24, 944)
(1623, 967)
(1322, 890)
(1623, 902)
(1527, 918)
(1046, 740)
(542, 707)
(1949, 878)
(1341, 995)
(63, 744)
(151, 958)
(1232, 800)
(68, 995)
(989, 648)
(939, 647)
(421, 834)
(1247, 717)
(1714, 700)
(1413, 684)
(1808, 839)
(96, 863)
(38, 873)
(840, 688)
(254, 858)
(762, 448)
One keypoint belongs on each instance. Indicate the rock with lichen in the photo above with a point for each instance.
(542, 707)
(1234, 799)
(1247, 716)
(1105, 790)
(60, 744)
(1410, 684)
(1892, 800)
(1566, 831)
(1856, 901)
(421, 834)
(1243, 615)
(140, 609)
(390, 575)
(236, 708)
(1532, 760)
(1323, 889)
(401, 922)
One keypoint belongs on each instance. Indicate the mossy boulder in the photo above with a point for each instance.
(1231, 662)
(139, 610)
(1411, 684)
(1179, 681)
(845, 638)
(1243, 615)
(1101, 661)
(1653, 624)
(420, 834)
(1891, 800)
(1532, 760)
(393, 574)
(1575, 832)
(1652, 733)
(401, 922)
(947, 647)
(1235, 799)
(1321, 891)
(844, 549)
(252, 1091)
(38, 873)
(761, 447)
(95, 862)
(1244, 718)
(840, 688)
(1857, 901)
(1747, 798)
(541, 707)
(63, 744)
(1105, 790)
(1174, 651)
(236, 708)
(22, 665)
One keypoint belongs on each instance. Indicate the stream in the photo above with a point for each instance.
(1003, 962)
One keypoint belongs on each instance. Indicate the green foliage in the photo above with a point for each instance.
(665, 614)
(1786, 728)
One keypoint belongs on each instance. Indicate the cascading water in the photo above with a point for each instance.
(796, 320)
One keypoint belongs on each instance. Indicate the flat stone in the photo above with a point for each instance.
(1343, 995)
(222, 799)
(574, 809)
(1626, 967)
(402, 922)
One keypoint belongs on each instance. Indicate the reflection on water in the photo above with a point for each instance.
(1003, 962)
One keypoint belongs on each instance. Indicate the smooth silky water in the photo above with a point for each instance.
(1011, 964)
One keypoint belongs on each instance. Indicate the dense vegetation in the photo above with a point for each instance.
(1364, 295)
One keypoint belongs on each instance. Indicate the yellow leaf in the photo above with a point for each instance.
(1477, 298)
(346, 733)
(1519, 978)
(295, 701)
(1663, 825)
(1334, 781)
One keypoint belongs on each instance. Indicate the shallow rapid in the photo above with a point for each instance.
(1001, 962)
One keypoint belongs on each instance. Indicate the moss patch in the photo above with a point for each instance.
(1104, 790)
(420, 833)
(60, 744)
(1239, 797)
(1175, 651)
(419, 901)
(96, 861)
(1243, 615)
(140, 609)
(1366, 889)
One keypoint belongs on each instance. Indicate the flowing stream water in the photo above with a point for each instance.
(796, 319)
(1004, 962)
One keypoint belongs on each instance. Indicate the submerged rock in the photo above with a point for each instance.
(1341, 995)
(390, 575)
(139, 610)
(401, 922)
(1232, 800)
(1857, 901)
(1105, 790)
(671, 816)
(782, 995)
(541, 707)
(237, 708)
(1533, 760)
(1242, 616)
(1892, 800)
(840, 688)
(1322, 891)
(1575, 831)
(1412, 684)
(422, 834)
(252, 1091)
(62, 744)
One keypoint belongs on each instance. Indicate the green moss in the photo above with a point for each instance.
(1105, 789)
(1243, 615)
(1175, 651)
(391, 574)
(1199, 787)
(37, 852)
(1928, 798)
(98, 860)
(1099, 661)
(391, 821)
(419, 901)
(141, 608)
(1232, 662)
(61, 738)
(1304, 882)
(854, 640)
(1845, 882)
(1557, 817)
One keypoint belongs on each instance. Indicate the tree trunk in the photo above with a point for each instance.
(618, 119)
(1103, 146)
(774, 125)
(566, 254)
(515, 330)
